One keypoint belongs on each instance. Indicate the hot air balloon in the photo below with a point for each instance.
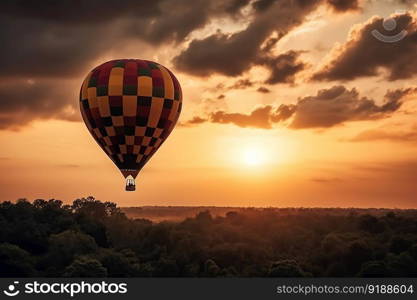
(130, 107)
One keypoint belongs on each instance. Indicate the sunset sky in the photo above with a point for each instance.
(285, 103)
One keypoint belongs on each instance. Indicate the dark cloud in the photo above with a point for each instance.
(343, 5)
(262, 5)
(24, 101)
(284, 67)
(262, 117)
(218, 53)
(336, 105)
(47, 41)
(259, 118)
(50, 38)
(263, 90)
(35, 48)
(364, 55)
(328, 108)
(283, 113)
(194, 121)
(394, 96)
(232, 54)
(241, 84)
(235, 5)
(75, 12)
(178, 18)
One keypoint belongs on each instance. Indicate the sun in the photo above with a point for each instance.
(253, 156)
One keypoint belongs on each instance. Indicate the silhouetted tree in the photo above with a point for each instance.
(15, 262)
(119, 264)
(357, 253)
(85, 267)
(64, 246)
(211, 269)
(402, 265)
(373, 269)
(399, 244)
(286, 268)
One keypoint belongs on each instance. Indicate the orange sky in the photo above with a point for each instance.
(360, 158)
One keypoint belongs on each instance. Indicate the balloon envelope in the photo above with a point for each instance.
(130, 107)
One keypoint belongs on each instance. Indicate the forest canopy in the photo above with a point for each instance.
(90, 238)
